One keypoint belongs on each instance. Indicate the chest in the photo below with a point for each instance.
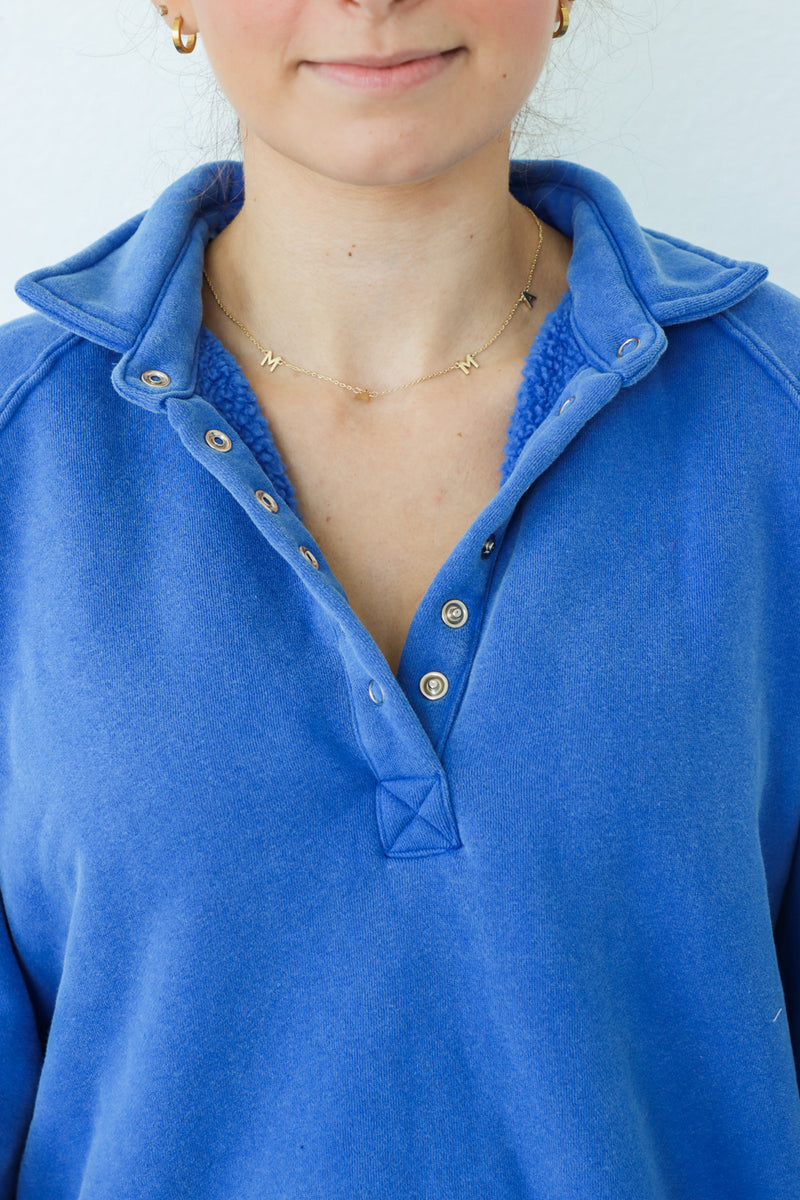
(387, 501)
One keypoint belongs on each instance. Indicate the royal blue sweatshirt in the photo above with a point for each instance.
(281, 925)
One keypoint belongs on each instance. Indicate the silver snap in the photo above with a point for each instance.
(488, 546)
(633, 342)
(155, 378)
(454, 614)
(433, 685)
(268, 501)
(375, 692)
(218, 440)
(564, 405)
(308, 556)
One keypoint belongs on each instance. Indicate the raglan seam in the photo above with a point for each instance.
(20, 387)
(741, 332)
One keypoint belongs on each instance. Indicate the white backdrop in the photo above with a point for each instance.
(691, 107)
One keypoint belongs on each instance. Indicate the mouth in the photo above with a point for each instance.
(390, 73)
(378, 62)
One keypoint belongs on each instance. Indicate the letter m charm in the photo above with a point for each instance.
(271, 360)
(468, 362)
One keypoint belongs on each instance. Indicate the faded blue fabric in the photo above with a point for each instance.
(277, 925)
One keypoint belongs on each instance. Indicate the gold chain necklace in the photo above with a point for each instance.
(465, 365)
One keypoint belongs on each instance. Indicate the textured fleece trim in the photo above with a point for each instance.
(554, 357)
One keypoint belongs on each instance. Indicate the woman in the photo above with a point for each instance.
(400, 647)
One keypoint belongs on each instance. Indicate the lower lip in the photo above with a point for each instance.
(385, 79)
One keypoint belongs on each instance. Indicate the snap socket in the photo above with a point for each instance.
(218, 440)
(268, 501)
(434, 685)
(155, 378)
(309, 556)
(454, 614)
(375, 692)
(564, 405)
(488, 546)
(632, 342)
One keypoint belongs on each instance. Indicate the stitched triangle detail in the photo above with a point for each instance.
(413, 818)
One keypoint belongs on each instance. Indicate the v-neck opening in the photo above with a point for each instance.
(553, 358)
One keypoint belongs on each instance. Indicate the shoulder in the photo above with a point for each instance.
(762, 320)
(28, 345)
(36, 352)
(750, 347)
(766, 326)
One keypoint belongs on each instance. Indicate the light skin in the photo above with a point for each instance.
(379, 242)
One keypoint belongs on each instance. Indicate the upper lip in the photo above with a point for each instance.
(374, 60)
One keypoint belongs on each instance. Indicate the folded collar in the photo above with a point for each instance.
(138, 289)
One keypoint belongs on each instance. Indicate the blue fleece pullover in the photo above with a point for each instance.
(281, 926)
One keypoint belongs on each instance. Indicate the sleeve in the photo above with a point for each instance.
(24, 344)
(20, 1062)
(769, 318)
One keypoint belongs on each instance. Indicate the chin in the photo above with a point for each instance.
(389, 162)
(375, 154)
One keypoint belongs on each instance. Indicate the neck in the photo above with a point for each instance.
(375, 285)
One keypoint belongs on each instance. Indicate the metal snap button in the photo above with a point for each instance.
(218, 440)
(633, 342)
(433, 685)
(564, 405)
(308, 556)
(375, 692)
(454, 614)
(155, 378)
(268, 501)
(488, 546)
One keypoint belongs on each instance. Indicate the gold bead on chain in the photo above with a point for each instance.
(468, 363)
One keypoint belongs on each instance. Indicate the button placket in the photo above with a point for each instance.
(413, 811)
(401, 727)
(202, 429)
(434, 685)
(218, 440)
(441, 640)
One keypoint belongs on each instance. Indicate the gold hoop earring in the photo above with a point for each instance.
(564, 26)
(176, 37)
